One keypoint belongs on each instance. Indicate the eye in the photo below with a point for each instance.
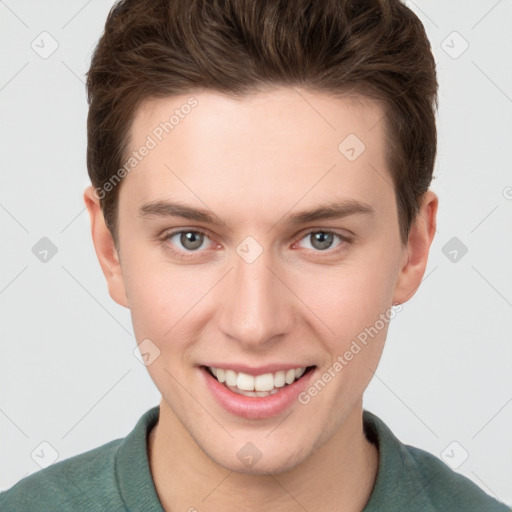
(189, 240)
(322, 240)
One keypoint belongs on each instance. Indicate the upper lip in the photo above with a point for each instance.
(259, 370)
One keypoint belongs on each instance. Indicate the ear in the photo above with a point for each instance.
(415, 253)
(105, 248)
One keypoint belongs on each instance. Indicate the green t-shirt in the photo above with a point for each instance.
(115, 477)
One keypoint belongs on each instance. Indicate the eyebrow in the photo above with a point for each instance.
(332, 210)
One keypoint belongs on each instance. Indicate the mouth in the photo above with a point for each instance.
(260, 386)
(256, 393)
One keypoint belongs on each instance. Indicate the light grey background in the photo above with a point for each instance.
(68, 375)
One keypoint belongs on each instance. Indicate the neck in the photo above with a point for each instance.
(342, 471)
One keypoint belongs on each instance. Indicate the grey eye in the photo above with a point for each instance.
(322, 240)
(190, 240)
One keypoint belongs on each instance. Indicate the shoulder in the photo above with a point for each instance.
(410, 478)
(444, 488)
(82, 482)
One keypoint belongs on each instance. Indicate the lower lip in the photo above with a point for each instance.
(255, 408)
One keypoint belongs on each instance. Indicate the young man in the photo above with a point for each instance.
(260, 198)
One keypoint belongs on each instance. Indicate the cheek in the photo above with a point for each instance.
(159, 294)
(162, 309)
(353, 306)
(161, 303)
(348, 298)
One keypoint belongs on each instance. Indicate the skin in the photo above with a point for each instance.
(251, 161)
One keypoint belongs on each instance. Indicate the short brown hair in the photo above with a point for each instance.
(161, 48)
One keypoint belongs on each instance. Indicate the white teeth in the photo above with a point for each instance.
(221, 375)
(290, 376)
(245, 382)
(230, 378)
(264, 382)
(279, 379)
(259, 385)
(299, 372)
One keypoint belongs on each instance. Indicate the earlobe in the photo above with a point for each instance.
(106, 251)
(415, 253)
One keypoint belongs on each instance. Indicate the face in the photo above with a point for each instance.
(252, 286)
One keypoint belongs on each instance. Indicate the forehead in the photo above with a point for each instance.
(259, 152)
(262, 115)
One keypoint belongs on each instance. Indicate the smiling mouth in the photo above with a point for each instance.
(260, 385)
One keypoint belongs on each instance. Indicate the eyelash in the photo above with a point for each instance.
(345, 240)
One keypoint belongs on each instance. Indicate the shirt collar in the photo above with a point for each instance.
(395, 487)
(132, 466)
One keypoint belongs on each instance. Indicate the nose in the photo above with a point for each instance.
(257, 306)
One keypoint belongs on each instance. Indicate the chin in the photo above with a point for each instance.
(272, 464)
